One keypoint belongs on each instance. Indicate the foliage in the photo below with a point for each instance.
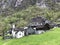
(22, 18)
(53, 4)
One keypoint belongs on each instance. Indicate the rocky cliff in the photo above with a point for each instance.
(22, 4)
(15, 3)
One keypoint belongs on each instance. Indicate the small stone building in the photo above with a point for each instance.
(38, 25)
(18, 32)
(40, 22)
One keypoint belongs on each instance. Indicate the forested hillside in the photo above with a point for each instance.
(21, 12)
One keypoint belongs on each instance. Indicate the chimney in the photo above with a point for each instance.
(13, 26)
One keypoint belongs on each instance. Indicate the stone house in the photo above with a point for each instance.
(18, 32)
(38, 25)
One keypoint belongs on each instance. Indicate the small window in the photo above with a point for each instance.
(41, 24)
(19, 34)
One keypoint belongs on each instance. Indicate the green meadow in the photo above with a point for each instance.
(51, 37)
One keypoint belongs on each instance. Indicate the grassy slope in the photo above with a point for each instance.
(49, 38)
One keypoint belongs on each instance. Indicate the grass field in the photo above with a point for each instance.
(51, 37)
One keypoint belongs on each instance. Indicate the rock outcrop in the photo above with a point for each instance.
(22, 4)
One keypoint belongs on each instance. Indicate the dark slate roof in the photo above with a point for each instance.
(19, 29)
(40, 22)
(37, 21)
